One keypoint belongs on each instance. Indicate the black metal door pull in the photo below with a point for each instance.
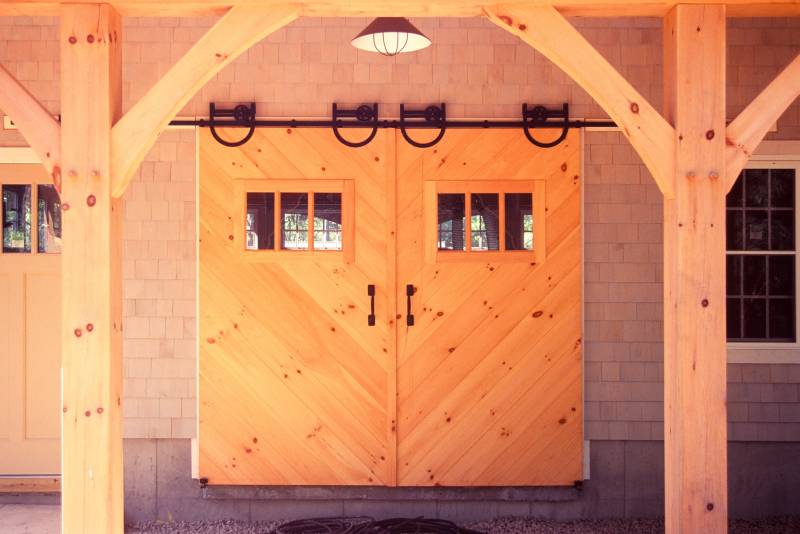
(409, 314)
(371, 294)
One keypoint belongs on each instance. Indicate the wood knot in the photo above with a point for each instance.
(704, 303)
(78, 332)
(506, 19)
(87, 413)
(89, 327)
(230, 238)
(537, 314)
(90, 38)
(562, 421)
(710, 135)
(72, 39)
(634, 107)
(522, 27)
(91, 200)
(65, 206)
(710, 507)
(99, 409)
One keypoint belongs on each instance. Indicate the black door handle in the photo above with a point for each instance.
(409, 314)
(371, 294)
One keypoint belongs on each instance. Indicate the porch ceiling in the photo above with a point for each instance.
(410, 8)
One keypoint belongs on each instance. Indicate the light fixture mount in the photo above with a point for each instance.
(390, 36)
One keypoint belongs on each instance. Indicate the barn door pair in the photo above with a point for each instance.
(389, 315)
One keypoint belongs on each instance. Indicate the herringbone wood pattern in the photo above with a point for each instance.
(295, 388)
(489, 377)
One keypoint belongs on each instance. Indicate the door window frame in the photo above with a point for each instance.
(431, 192)
(345, 187)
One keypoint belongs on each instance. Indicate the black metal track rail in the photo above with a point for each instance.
(366, 117)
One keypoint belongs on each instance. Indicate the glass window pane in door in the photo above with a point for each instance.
(16, 218)
(327, 221)
(48, 217)
(260, 224)
(519, 221)
(294, 217)
(485, 221)
(451, 221)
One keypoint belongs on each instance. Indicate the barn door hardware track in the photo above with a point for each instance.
(366, 116)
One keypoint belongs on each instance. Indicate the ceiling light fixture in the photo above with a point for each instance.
(391, 36)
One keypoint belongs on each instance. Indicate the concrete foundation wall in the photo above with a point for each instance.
(627, 480)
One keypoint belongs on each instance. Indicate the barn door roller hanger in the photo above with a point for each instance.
(365, 116)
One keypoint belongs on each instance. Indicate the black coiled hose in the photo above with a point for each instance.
(366, 525)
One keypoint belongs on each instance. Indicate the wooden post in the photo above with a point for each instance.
(695, 433)
(92, 490)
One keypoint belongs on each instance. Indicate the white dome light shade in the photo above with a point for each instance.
(391, 36)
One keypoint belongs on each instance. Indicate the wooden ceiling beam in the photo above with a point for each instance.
(748, 129)
(545, 29)
(135, 133)
(411, 8)
(35, 123)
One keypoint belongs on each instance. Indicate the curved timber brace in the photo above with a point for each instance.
(364, 115)
(242, 114)
(432, 116)
(540, 116)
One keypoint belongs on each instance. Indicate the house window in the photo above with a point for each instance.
(762, 256)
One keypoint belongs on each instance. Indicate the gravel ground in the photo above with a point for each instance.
(498, 526)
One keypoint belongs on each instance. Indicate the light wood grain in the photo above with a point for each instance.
(695, 359)
(34, 122)
(91, 99)
(489, 377)
(417, 8)
(545, 29)
(748, 129)
(239, 29)
(295, 387)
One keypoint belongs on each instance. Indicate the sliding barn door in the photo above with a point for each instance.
(297, 383)
(489, 265)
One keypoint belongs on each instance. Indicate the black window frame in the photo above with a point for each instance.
(769, 253)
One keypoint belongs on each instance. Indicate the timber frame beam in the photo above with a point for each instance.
(412, 8)
(136, 132)
(35, 123)
(748, 129)
(545, 29)
(693, 157)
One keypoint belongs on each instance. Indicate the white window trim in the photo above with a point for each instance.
(775, 352)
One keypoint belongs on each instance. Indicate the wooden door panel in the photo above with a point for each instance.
(43, 349)
(30, 348)
(295, 386)
(490, 375)
(9, 354)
